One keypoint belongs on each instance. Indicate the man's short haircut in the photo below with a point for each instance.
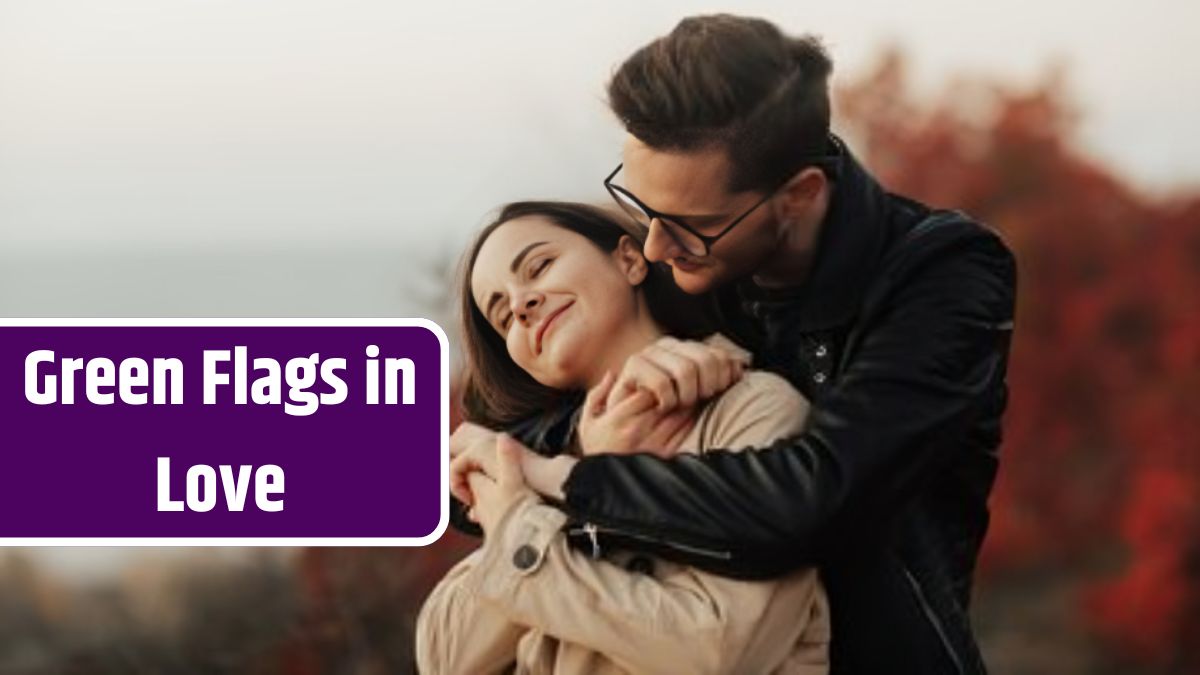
(729, 81)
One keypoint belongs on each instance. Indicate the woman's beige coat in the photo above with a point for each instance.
(526, 600)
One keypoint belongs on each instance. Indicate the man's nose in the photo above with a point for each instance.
(527, 306)
(660, 245)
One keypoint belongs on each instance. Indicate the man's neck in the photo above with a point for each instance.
(793, 260)
(787, 269)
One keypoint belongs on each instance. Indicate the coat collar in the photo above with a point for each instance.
(849, 247)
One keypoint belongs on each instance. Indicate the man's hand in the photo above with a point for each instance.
(678, 373)
(494, 497)
(632, 424)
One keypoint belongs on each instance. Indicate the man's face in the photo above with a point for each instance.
(694, 186)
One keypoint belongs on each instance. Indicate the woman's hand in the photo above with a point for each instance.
(472, 450)
(495, 494)
(678, 373)
(632, 424)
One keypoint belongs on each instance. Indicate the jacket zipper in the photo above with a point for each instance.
(593, 531)
(933, 619)
(590, 530)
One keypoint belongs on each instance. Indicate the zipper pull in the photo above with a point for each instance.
(593, 535)
(590, 529)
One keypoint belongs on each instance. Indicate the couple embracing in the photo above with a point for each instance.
(744, 419)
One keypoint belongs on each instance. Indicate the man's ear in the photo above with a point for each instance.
(628, 256)
(800, 198)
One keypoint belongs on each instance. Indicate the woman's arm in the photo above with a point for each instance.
(684, 621)
(680, 621)
(456, 633)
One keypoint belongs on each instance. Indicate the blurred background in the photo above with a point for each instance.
(316, 158)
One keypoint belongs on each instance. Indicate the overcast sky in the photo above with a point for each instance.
(171, 121)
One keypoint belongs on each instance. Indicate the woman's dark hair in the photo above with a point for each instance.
(497, 393)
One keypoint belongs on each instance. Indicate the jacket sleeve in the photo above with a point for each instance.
(919, 376)
(681, 621)
(456, 633)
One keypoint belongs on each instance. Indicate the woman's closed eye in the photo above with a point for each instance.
(538, 266)
(533, 270)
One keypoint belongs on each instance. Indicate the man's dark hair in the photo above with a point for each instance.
(729, 81)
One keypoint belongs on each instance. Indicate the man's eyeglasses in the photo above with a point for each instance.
(686, 236)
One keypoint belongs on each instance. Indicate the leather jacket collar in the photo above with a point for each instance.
(850, 246)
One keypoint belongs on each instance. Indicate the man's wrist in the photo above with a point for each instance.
(546, 475)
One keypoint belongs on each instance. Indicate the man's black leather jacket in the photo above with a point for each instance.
(900, 339)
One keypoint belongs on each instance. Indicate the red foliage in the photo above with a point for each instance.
(1102, 434)
(1153, 606)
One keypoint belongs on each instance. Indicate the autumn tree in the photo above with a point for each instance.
(1100, 454)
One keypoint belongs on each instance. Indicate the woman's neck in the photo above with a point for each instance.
(638, 336)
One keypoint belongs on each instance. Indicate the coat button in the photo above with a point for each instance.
(819, 378)
(525, 557)
(821, 351)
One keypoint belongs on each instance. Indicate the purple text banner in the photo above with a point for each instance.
(223, 432)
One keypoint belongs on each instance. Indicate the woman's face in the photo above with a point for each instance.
(559, 302)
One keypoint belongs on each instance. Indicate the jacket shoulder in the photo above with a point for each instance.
(942, 232)
(948, 248)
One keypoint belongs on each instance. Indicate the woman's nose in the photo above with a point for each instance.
(526, 307)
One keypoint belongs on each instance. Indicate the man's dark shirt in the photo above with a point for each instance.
(900, 339)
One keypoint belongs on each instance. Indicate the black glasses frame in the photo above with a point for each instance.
(825, 163)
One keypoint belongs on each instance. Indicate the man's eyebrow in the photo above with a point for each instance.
(706, 218)
(697, 220)
(487, 311)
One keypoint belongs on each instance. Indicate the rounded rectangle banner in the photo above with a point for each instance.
(235, 432)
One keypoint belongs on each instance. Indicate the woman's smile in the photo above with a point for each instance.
(531, 270)
(545, 325)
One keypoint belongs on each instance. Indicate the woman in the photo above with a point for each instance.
(556, 297)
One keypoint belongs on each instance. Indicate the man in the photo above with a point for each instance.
(894, 319)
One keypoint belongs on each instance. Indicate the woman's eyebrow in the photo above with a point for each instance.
(487, 312)
(521, 256)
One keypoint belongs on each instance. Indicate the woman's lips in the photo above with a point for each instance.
(546, 324)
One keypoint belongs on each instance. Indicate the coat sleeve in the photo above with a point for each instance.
(682, 621)
(677, 620)
(761, 408)
(457, 634)
(921, 375)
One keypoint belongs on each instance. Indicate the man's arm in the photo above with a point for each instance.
(915, 384)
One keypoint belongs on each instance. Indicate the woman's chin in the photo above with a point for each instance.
(563, 360)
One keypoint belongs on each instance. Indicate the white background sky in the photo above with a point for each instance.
(163, 121)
